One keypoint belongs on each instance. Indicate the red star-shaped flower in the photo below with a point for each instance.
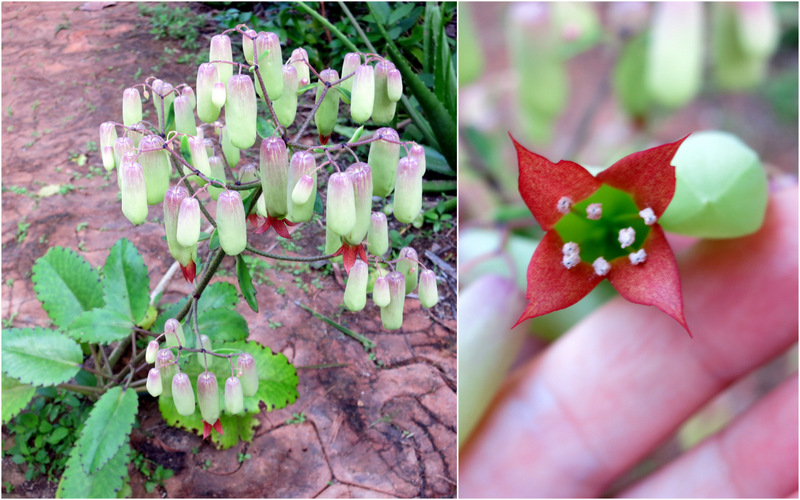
(601, 227)
(263, 223)
(207, 428)
(349, 254)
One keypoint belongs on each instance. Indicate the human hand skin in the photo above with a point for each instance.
(585, 411)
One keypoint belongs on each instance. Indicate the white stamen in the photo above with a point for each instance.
(601, 266)
(638, 257)
(570, 248)
(571, 260)
(594, 211)
(627, 236)
(649, 216)
(564, 204)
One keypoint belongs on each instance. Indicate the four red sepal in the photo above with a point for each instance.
(349, 254)
(207, 428)
(323, 139)
(262, 224)
(189, 271)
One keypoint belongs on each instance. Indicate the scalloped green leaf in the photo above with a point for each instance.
(105, 483)
(102, 326)
(246, 283)
(218, 295)
(223, 325)
(126, 283)
(66, 285)
(16, 396)
(39, 356)
(107, 428)
(234, 427)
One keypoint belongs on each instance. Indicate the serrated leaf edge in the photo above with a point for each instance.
(83, 435)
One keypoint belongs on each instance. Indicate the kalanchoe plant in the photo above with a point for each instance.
(601, 227)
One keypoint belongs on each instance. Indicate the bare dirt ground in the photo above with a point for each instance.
(369, 430)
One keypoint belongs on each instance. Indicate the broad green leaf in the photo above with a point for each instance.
(66, 285)
(16, 396)
(107, 428)
(319, 208)
(57, 435)
(234, 427)
(105, 483)
(264, 128)
(102, 326)
(222, 325)
(246, 283)
(125, 282)
(40, 357)
(218, 295)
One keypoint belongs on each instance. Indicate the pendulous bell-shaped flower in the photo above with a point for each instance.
(355, 291)
(328, 110)
(392, 314)
(231, 223)
(384, 155)
(240, 111)
(248, 374)
(183, 394)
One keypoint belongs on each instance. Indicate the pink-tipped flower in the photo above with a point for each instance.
(234, 399)
(361, 177)
(428, 291)
(240, 111)
(340, 211)
(131, 107)
(188, 93)
(355, 292)
(220, 50)
(303, 168)
(183, 394)
(121, 146)
(384, 154)
(274, 170)
(394, 85)
(248, 374)
(184, 116)
(165, 362)
(302, 190)
(203, 360)
(186, 256)
(134, 190)
(217, 172)
(248, 45)
(173, 331)
(328, 110)
(208, 396)
(188, 230)
(108, 136)
(383, 108)
(392, 315)
(352, 61)
(270, 65)
(157, 167)
(298, 56)
(207, 76)
(380, 292)
(408, 266)
(286, 107)
(154, 385)
(219, 94)
(150, 353)
(407, 191)
(362, 95)
(378, 234)
(418, 153)
(231, 223)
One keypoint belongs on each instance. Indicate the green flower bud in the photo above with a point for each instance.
(298, 56)
(286, 107)
(218, 94)
(361, 178)
(108, 136)
(217, 172)
(157, 167)
(188, 229)
(207, 76)
(351, 62)
(205, 342)
(184, 116)
(355, 292)
(363, 94)
(302, 166)
(231, 223)
(418, 153)
(174, 331)
(165, 362)
(121, 146)
(234, 399)
(274, 169)
(394, 85)
(378, 234)
(135, 133)
(392, 315)
(134, 190)
(231, 152)
(248, 374)
(197, 148)
(221, 51)
(183, 394)
(248, 42)
(270, 65)
(380, 292)
(341, 204)
(188, 93)
(150, 353)
(383, 159)
(428, 292)
(328, 111)
(208, 396)
(154, 385)
(240, 111)
(383, 108)
(172, 203)
(109, 162)
(332, 241)
(408, 266)
(131, 107)
(407, 191)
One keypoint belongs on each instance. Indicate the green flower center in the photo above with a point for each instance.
(600, 238)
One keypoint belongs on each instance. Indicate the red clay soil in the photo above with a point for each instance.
(369, 430)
